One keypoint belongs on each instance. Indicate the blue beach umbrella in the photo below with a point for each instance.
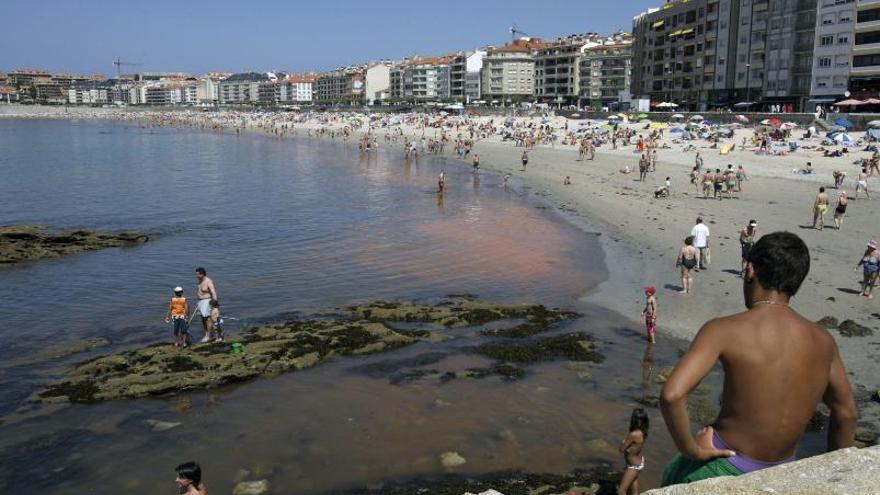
(842, 122)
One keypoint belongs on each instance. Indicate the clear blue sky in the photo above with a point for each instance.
(197, 36)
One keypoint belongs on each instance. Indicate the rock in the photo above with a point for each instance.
(160, 426)
(507, 435)
(850, 328)
(867, 434)
(585, 376)
(649, 401)
(819, 420)
(452, 460)
(241, 475)
(251, 487)
(441, 403)
(827, 322)
(601, 446)
(574, 346)
(20, 243)
(663, 375)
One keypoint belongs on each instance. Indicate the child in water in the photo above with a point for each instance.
(650, 312)
(631, 447)
(189, 478)
(216, 321)
(177, 311)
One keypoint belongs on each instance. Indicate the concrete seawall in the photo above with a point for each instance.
(844, 472)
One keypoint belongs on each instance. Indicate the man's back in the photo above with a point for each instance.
(777, 368)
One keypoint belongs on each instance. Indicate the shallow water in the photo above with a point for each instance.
(293, 226)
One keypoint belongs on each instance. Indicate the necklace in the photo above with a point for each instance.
(770, 303)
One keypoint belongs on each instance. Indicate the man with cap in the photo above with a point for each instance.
(747, 238)
(177, 311)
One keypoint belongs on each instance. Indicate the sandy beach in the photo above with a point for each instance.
(641, 235)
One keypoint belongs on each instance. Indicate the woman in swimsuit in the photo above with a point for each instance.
(840, 210)
(731, 183)
(631, 447)
(870, 264)
(740, 178)
(687, 260)
(747, 238)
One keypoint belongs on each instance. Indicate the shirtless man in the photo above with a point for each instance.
(777, 367)
(205, 293)
(820, 207)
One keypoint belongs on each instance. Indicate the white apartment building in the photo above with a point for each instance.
(605, 70)
(509, 71)
(377, 85)
(295, 89)
(865, 72)
(832, 50)
(242, 88)
(420, 79)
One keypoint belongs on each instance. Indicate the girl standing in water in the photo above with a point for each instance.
(650, 313)
(631, 447)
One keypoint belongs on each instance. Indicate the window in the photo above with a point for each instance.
(826, 40)
(843, 39)
(868, 15)
(824, 61)
(868, 38)
(866, 60)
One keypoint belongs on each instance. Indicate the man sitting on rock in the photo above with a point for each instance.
(778, 366)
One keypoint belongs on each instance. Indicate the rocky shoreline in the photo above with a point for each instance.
(162, 369)
(21, 243)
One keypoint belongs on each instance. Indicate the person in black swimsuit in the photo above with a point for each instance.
(840, 210)
(687, 260)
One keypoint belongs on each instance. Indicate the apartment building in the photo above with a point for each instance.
(465, 75)
(208, 90)
(377, 82)
(832, 51)
(27, 77)
(422, 79)
(242, 88)
(557, 77)
(342, 86)
(509, 71)
(295, 88)
(715, 53)
(605, 71)
(91, 92)
(865, 72)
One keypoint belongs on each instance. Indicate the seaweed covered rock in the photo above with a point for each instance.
(268, 350)
(29, 243)
(849, 328)
(462, 313)
(163, 369)
(573, 346)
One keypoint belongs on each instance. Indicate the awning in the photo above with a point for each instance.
(687, 31)
(658, 24)
(675, 33)
(821, 100)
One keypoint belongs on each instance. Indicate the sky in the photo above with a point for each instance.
(197, 36)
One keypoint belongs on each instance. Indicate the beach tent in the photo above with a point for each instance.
(842, 138)
(842, 122)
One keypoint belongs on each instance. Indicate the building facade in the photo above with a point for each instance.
(377, 83)
(832, 51)
(295, 89)
(422, 79)
(509, 71)
(343, 86)
(241, 88)
(557, 78)
(865, 71)
(605, 71)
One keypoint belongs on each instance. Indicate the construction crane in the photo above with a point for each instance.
(514, 31)
(119, 63)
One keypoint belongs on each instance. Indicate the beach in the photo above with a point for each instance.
(640, 235)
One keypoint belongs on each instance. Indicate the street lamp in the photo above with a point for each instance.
(749, 83)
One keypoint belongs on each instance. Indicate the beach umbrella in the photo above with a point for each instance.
(787, 126)
(667, 104)
(733, 125)
(708, 122)
(774, 122)
(575, 115)
(677, 130)
(677, 116)
(849, 103)
(742, 118)
(697, 118)
(842, 122)
(659, 125)
(642, 116)
(874, 124)
(606, 127)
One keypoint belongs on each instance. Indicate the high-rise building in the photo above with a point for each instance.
(344, 86)
(557, 78)
(422, 79)
(832, 51)
(865, 72)
(703, 54)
